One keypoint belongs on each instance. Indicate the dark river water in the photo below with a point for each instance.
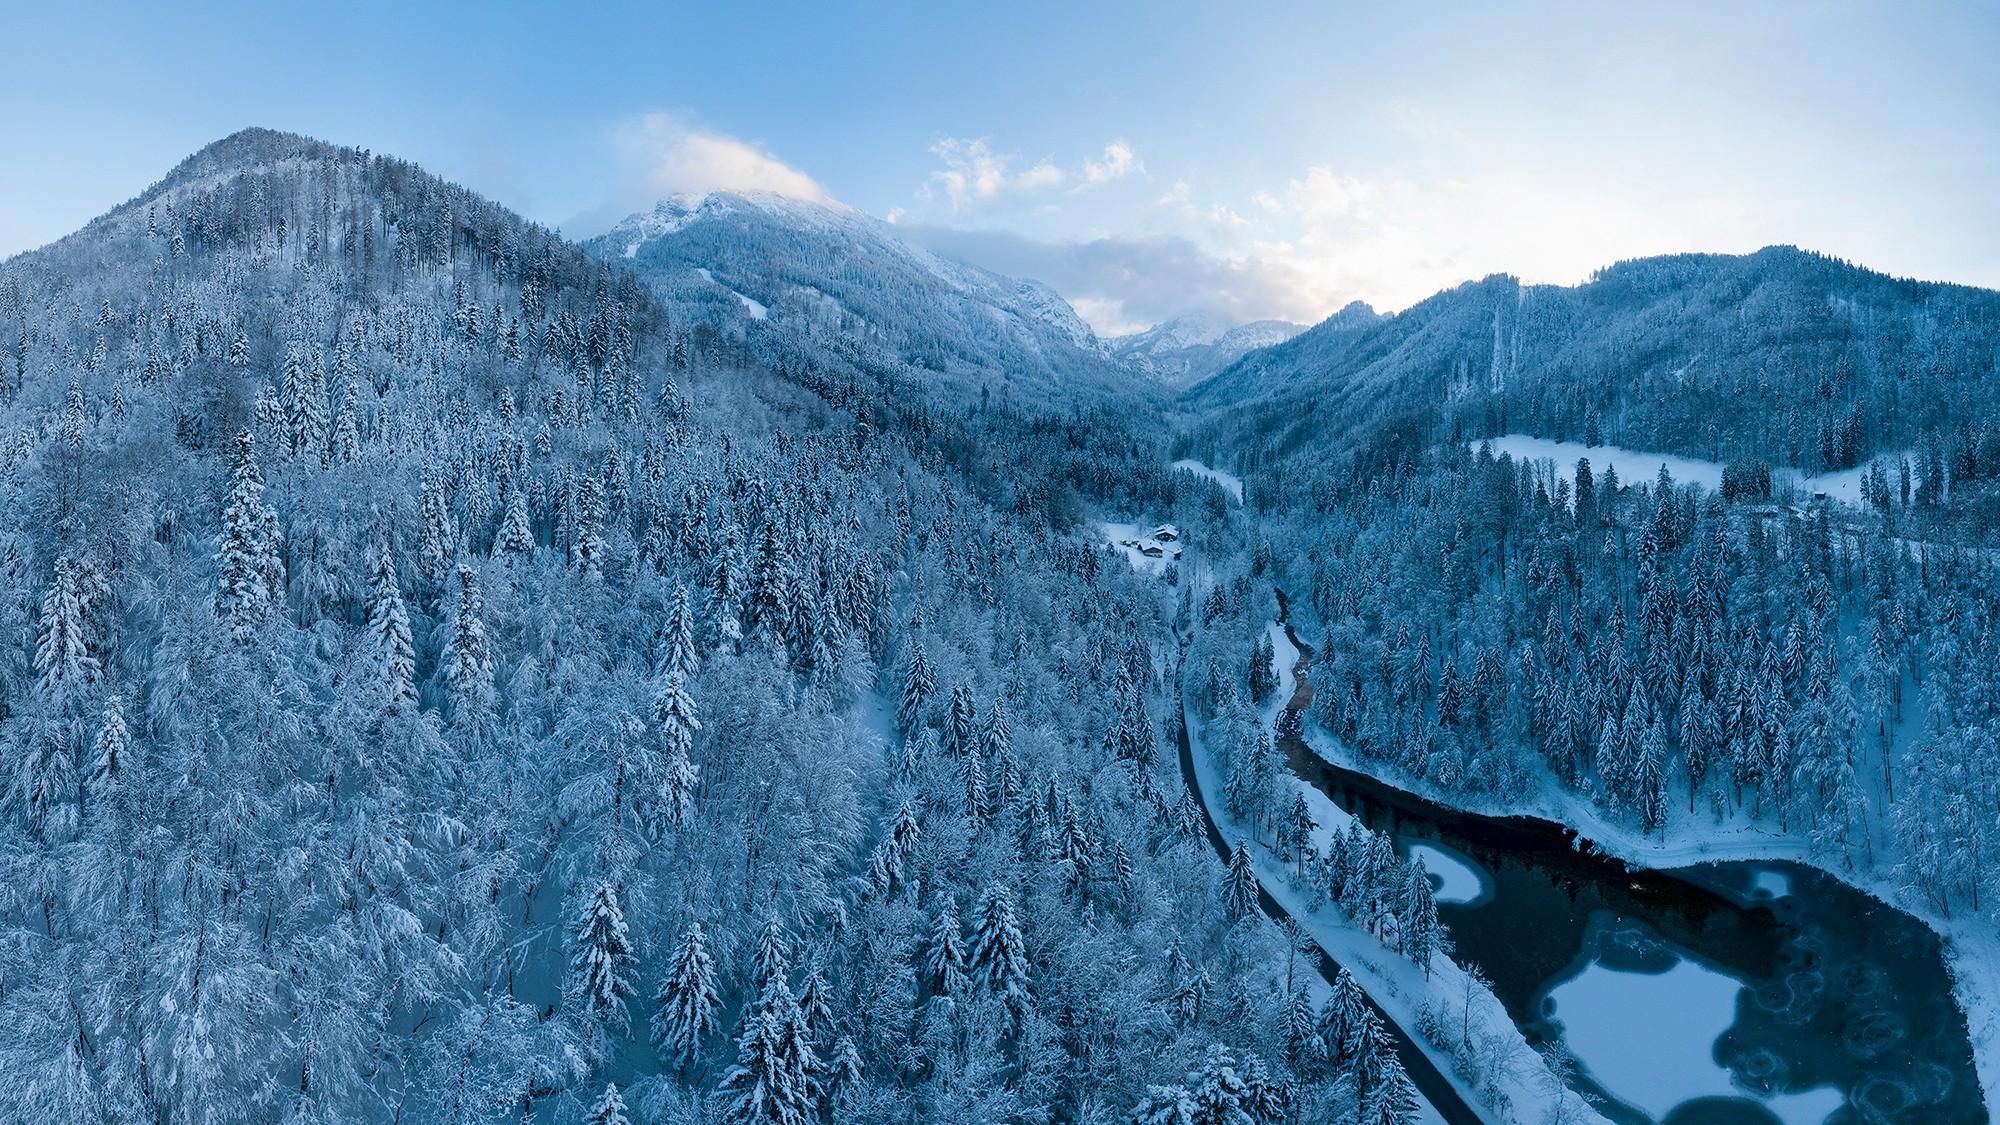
(1720, 993)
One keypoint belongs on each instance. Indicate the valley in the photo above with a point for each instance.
(749, 667)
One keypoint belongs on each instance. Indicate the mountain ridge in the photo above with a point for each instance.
(1782, 354)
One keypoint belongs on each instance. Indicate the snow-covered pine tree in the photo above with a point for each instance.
(1340, 1020)
(773, 958)
(609, 1110)
(602, 966)
(944, 956)
(467, 662)
(251, 581)
(688, 1001)
(1239, 885)
(998, 957)
(919, 681)
(516, 537)
(391, 653)
(1394, 1099)
(111, 752)
(771, 609)
(772, 1081)
(65, 664)
(680, 655)
(675, 714)
(961, 719)
(1418, 921)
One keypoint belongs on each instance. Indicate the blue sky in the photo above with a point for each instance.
(1147, 159)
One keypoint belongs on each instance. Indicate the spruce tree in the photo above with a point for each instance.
(674, 713)
(961, 717)
(919, 680)
(111, 752)
(65, 665)
(252, 576)
(602, 965)
(393, 654)
(1340, 1021)
(998, 959)
(771, 1083)
(609, 1110)
(1239, 885)
(680, 656)
(468, 665)
(687, 1001)
(516, 537)
(944, 958)
(1418, 921)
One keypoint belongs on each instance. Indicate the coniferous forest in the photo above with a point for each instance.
(449, 673)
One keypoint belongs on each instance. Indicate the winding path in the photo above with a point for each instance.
(1430, 1081)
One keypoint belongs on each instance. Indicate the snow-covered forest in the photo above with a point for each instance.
(452, 674)
(447, 683)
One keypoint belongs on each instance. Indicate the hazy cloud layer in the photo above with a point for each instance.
(662, 155)
(1124, 284)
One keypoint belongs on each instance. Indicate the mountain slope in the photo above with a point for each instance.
(1185, 350)
(840, 278)
(1781, 355)
(416, 645)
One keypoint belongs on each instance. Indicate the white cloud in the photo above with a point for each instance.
(669, 157)
(1323, 196)
(1041, 175)
(1122, 284)
(1180, 199)
(1119, 161)
(974, 174)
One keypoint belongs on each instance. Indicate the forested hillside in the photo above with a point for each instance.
(1682, 660)
(854, 288)
(1783, 356)
(445, 682)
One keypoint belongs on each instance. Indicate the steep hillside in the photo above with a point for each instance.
(849, 283)
(442, 684)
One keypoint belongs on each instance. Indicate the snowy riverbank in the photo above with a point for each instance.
(1526, 1089)
(1971, 945)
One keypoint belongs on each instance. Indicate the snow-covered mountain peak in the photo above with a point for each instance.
(829, 269)
(1189, 348)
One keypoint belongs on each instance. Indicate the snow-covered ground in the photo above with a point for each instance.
(1640, 467)
(1229, 481)
(753, 306)
(1128, 538)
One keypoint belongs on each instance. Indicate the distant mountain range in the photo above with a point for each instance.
(1188, 349)
(849, 280)
(846, 280)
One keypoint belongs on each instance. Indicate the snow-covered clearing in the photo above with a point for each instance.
(1230, 482)
(1132, 539)
(1639, 467)
(755, 307)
